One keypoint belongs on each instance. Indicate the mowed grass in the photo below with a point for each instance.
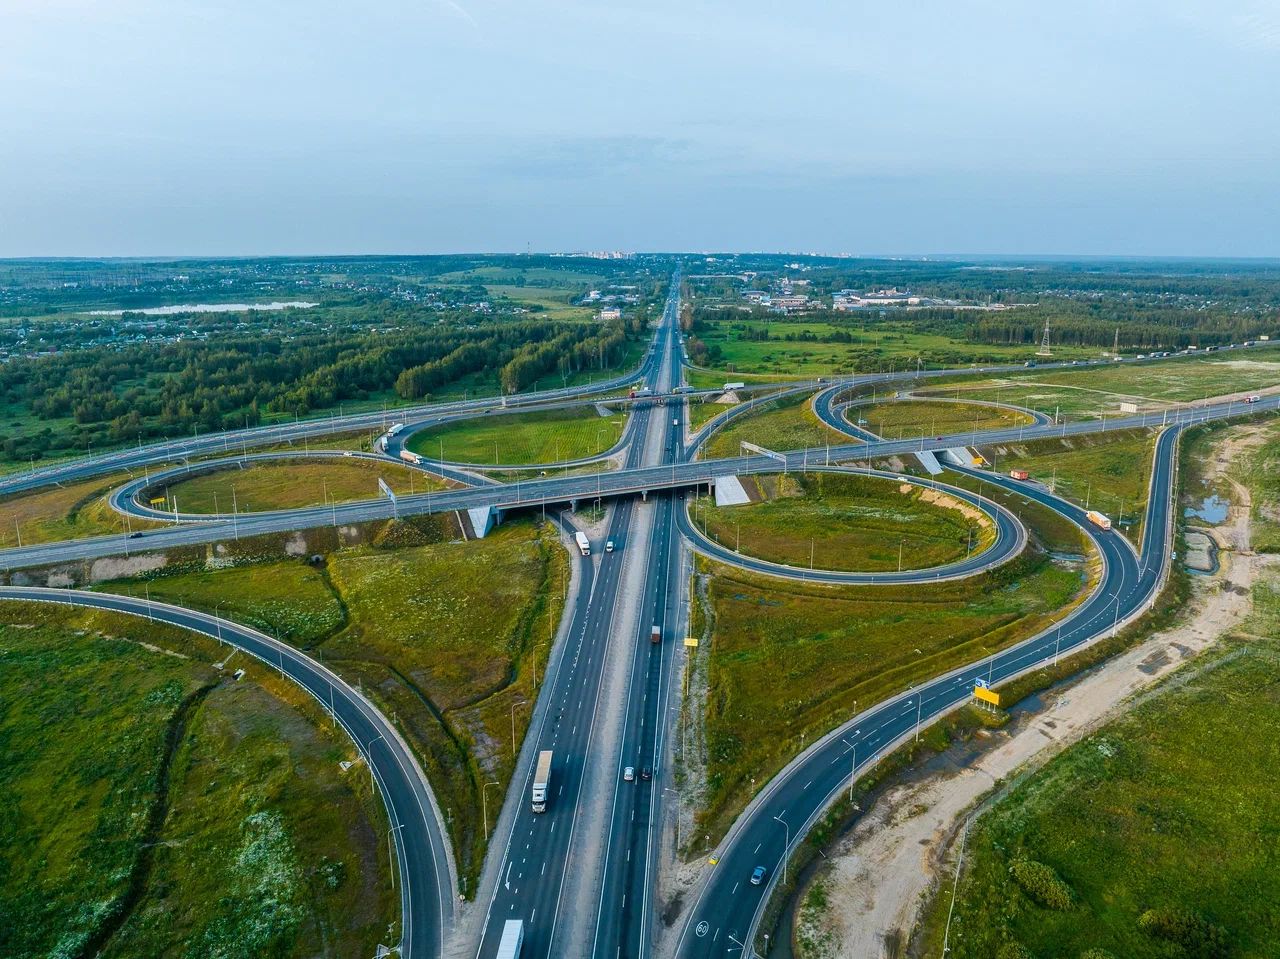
(790, 661)
(1169, 813)
(846, 523)
(443, 637)
(783, 424)
(1067, 402)
(257, 843)
(521, 439)
(291, 600)
(1110, 473)
(56, 513)
(292, 484)
(905, 419)
(880, 348)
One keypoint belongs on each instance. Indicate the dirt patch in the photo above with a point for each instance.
(116, 567)
(882, 872)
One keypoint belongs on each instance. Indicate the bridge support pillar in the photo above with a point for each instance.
(644, 495)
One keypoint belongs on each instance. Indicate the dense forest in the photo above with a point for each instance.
(383, 330)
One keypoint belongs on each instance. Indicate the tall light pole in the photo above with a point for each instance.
(484, 803)
(513, 725)
(853, 771)
(785, 848)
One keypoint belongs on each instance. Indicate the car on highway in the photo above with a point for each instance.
(135, 536)
(608, 546)
(629, 774)
(757, 875)
(646, 774)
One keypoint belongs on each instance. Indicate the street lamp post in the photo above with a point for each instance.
(484, 803)
(785, 848)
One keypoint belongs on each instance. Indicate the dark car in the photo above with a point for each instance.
(757, 875)
(135, 536)
(646, 774)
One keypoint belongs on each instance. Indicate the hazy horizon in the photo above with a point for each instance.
(979, 129)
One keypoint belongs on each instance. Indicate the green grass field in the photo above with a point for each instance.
(64, 512)
(783, 424)
(1157, 829)
(883, 347)
(443, 637)
(1110, 473)
(788, 661)
(1090, 392)
(904, 419)
(846, 523)
(293, 485)
(519, 439)
(152, 810)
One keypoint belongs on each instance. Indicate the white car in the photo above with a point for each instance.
(629, 774)
(608, 546)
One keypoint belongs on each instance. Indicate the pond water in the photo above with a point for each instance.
(208, 308)
(1212, 509)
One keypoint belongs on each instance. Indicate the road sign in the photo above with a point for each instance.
(986, 695)
(691, 641)
(386, 490)
(982, 684)
(764, 452)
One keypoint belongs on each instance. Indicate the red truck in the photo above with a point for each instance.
(1019, 474)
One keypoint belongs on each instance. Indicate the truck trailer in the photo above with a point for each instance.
(541, 781)
(734, 386)
(1097, 519)
(512, 940)
(409, 457)
(1019, 474)
(584, 544)
(655, 634)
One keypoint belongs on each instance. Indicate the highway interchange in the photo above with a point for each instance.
(584, 875)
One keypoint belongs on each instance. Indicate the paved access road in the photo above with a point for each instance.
(724, 916)
(425, 863)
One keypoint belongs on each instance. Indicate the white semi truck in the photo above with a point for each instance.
(512, 939)
(584, 544)
(541, 781)
(1097, 519)
(409, 457)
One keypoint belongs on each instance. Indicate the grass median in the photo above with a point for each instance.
(908, 419)
(789, 661)
(846, 522)
(782, 424)
(519, 439)
(293, 484)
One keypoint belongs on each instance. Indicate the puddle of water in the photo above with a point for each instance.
(1212, 509)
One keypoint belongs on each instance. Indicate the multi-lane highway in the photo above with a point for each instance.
(605, 703)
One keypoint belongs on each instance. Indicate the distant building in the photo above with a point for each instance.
(610, 313)
(785, 304)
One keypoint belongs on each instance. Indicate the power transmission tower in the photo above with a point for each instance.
(1044, 342)
(1115, 347)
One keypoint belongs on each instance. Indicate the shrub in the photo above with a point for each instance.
(1014, 950)
(1199, 937)
(1041, 884)
(1097, 954)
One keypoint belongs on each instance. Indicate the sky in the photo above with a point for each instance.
(164, 127)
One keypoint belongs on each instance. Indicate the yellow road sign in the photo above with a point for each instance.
(158, 501)
(986, 695)
(691, 641)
